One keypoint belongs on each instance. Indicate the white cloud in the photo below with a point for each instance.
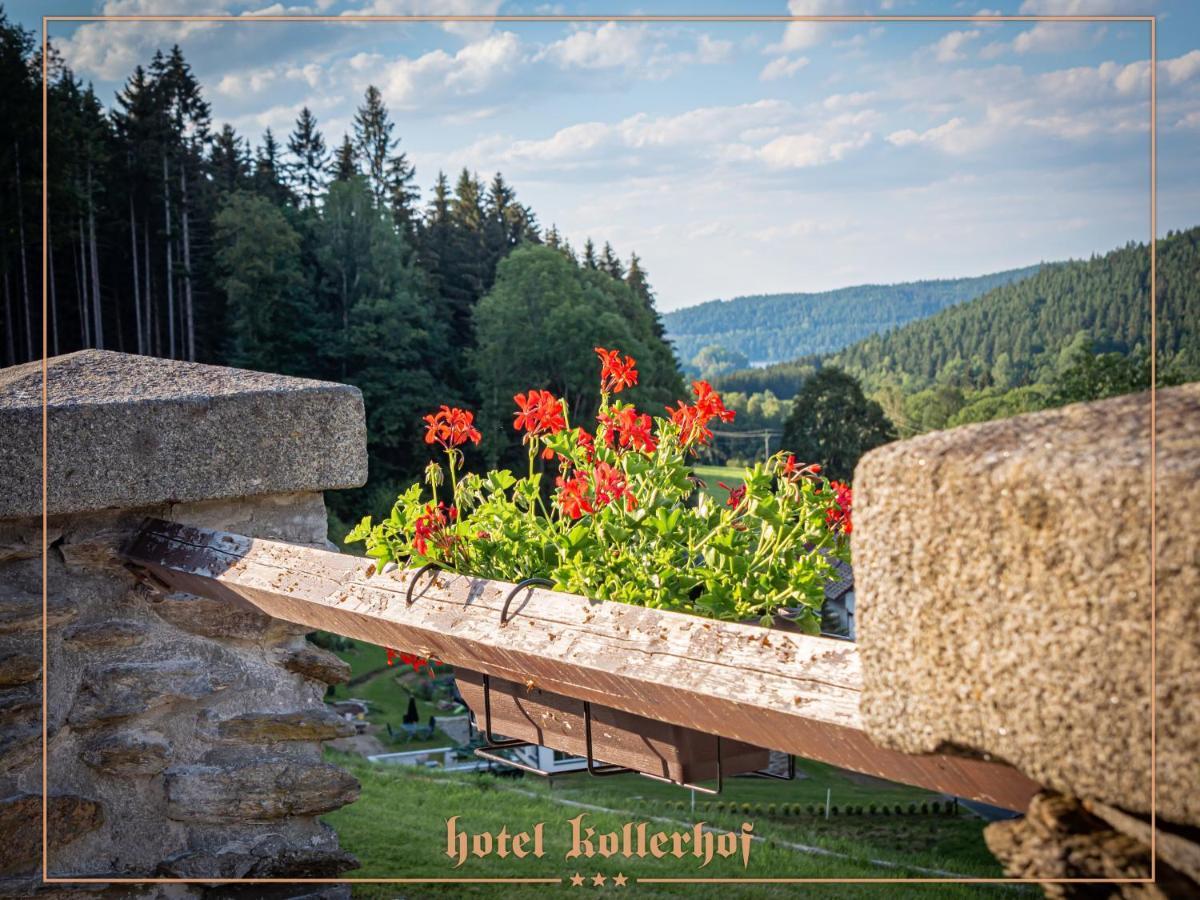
(799, 151)
(709, 51)
(802, 35)
(950, 47)
(942, 136)
(609, 46)
(841, 101)
(1181, 68)
(407, 83)
(782, 67)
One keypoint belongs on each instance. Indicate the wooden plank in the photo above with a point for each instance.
(765, 687)
(619, 738)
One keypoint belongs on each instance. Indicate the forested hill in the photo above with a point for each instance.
(1021, 334)
(1024, 326)
(774, 327)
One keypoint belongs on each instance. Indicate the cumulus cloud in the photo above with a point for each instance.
(950, 47)
(802, 35)
(782, 67)
(609, 46)
(799, 151)
(409, 82)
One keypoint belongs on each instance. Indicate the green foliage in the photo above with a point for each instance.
(775, 327)
(537, 328)
(833, 424)
(1019, 331)
(627, 522)
(715, 360)
(272, 320)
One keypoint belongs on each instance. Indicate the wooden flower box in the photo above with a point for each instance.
(666, 751)
(654, 679)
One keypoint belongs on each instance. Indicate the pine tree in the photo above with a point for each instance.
(373, 144)
(344, 164)
(611, 263)
(268, 171)
(229, 161)
(640, 285)
(309, 161)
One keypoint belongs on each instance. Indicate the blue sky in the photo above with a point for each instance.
(736, 158)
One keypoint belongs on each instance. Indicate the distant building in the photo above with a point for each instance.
(837, 613)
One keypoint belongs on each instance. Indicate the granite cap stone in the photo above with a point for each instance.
(1004, 597)
(126, 431)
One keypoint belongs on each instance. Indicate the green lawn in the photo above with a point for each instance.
(397, 829)
(387, 694)
(714, 474)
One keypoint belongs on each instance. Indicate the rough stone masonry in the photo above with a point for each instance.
(1004, 575)
(184, 733)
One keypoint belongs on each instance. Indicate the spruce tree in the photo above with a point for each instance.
(345, 161)
(268, 171)
(229, 161)
(309, 159)
(611, 263)
(589, 254)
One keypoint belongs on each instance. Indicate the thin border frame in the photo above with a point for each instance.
(1152, 21)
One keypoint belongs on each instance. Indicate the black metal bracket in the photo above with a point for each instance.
(494, 743)
(597, 769)
(519, 586)
(412, 582)
(695, 787)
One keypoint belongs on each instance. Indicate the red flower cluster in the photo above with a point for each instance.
(693, 420)
(538, 413)
(615, 374)
(629, 428)
(736, 495)
(577, 496)
(451, 427)
(434, 526)
(410, 659)
(837, 517)
(792, 469)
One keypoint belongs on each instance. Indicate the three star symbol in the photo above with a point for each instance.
(599, 879)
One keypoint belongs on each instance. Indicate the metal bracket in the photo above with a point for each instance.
(520, 585)
(412, 582)
(488, 750)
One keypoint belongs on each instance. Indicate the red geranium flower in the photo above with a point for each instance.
(837, 516)
(693, 420)
(574, 495)
(433, 526)
(629, 428)
(792, 469)
(736, 495)
(451, 427)
(410, 659)
(709, 403)
(616, 374)
(611, 485)
(538, 413)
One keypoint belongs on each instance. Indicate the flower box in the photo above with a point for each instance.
(764, 687)
(649, 746)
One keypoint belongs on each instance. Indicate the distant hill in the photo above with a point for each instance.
(773, 327)
(1015, 334)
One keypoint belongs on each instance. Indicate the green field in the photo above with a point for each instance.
(713, 475)
(397, 829)
(387, 693)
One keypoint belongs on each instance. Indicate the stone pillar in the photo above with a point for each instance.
(1004, 585)
(184, 733)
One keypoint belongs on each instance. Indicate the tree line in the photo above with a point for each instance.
(172, 237)
(1071, 332)
(773, 327)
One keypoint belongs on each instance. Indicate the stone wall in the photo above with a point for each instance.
(184, 733)
(1004, 585)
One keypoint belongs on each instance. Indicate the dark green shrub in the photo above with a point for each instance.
(871, 809)
(912, 809)
(770, 809)
(924, 809)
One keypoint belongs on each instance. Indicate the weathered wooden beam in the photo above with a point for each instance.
(770, 688)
